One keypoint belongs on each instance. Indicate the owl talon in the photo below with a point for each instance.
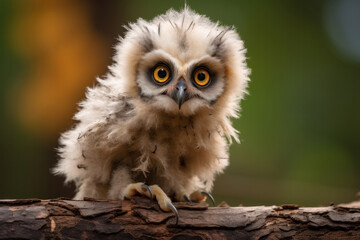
(187, 198)
(164, 202)
(210, 196)
(198, 196)
(174, 210)
(144, 186)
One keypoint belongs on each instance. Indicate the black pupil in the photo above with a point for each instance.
(201, 76)
(162, 73)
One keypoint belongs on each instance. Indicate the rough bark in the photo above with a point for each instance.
(141, 218)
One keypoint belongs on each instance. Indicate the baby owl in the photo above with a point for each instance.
(158, 124)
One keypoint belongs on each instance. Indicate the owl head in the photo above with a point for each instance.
(182, 63)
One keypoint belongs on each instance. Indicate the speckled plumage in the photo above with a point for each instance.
(130, 130)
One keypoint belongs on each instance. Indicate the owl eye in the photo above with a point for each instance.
(201, 77)
(161, 74)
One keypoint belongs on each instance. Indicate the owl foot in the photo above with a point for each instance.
(198, 196)
(153, 191)
(137, 188)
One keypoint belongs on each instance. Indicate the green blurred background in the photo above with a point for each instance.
(300, 125)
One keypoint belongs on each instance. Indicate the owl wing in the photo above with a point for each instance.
(86, 151)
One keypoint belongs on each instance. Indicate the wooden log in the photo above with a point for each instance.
(141, 218)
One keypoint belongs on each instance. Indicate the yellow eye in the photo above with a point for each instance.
(202, 77)
(161, 74)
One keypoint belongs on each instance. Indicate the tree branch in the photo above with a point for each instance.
(142, 218)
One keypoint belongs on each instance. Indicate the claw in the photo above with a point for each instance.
(187, 198)
(173, 208)
(148, 189)
(210, 196)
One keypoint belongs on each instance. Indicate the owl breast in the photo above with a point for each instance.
(170, 144)
(176, 146)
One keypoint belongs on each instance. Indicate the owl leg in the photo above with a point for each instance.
(153, 191)
(92, 189)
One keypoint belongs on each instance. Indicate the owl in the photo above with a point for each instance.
(158, 124)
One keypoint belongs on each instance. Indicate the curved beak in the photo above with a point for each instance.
(180, 95)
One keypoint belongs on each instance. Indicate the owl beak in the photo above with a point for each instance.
(180, 95)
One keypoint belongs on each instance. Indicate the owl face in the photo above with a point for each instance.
(180, 86)
(181, 62)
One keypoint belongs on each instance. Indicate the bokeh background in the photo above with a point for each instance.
(300, 125)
